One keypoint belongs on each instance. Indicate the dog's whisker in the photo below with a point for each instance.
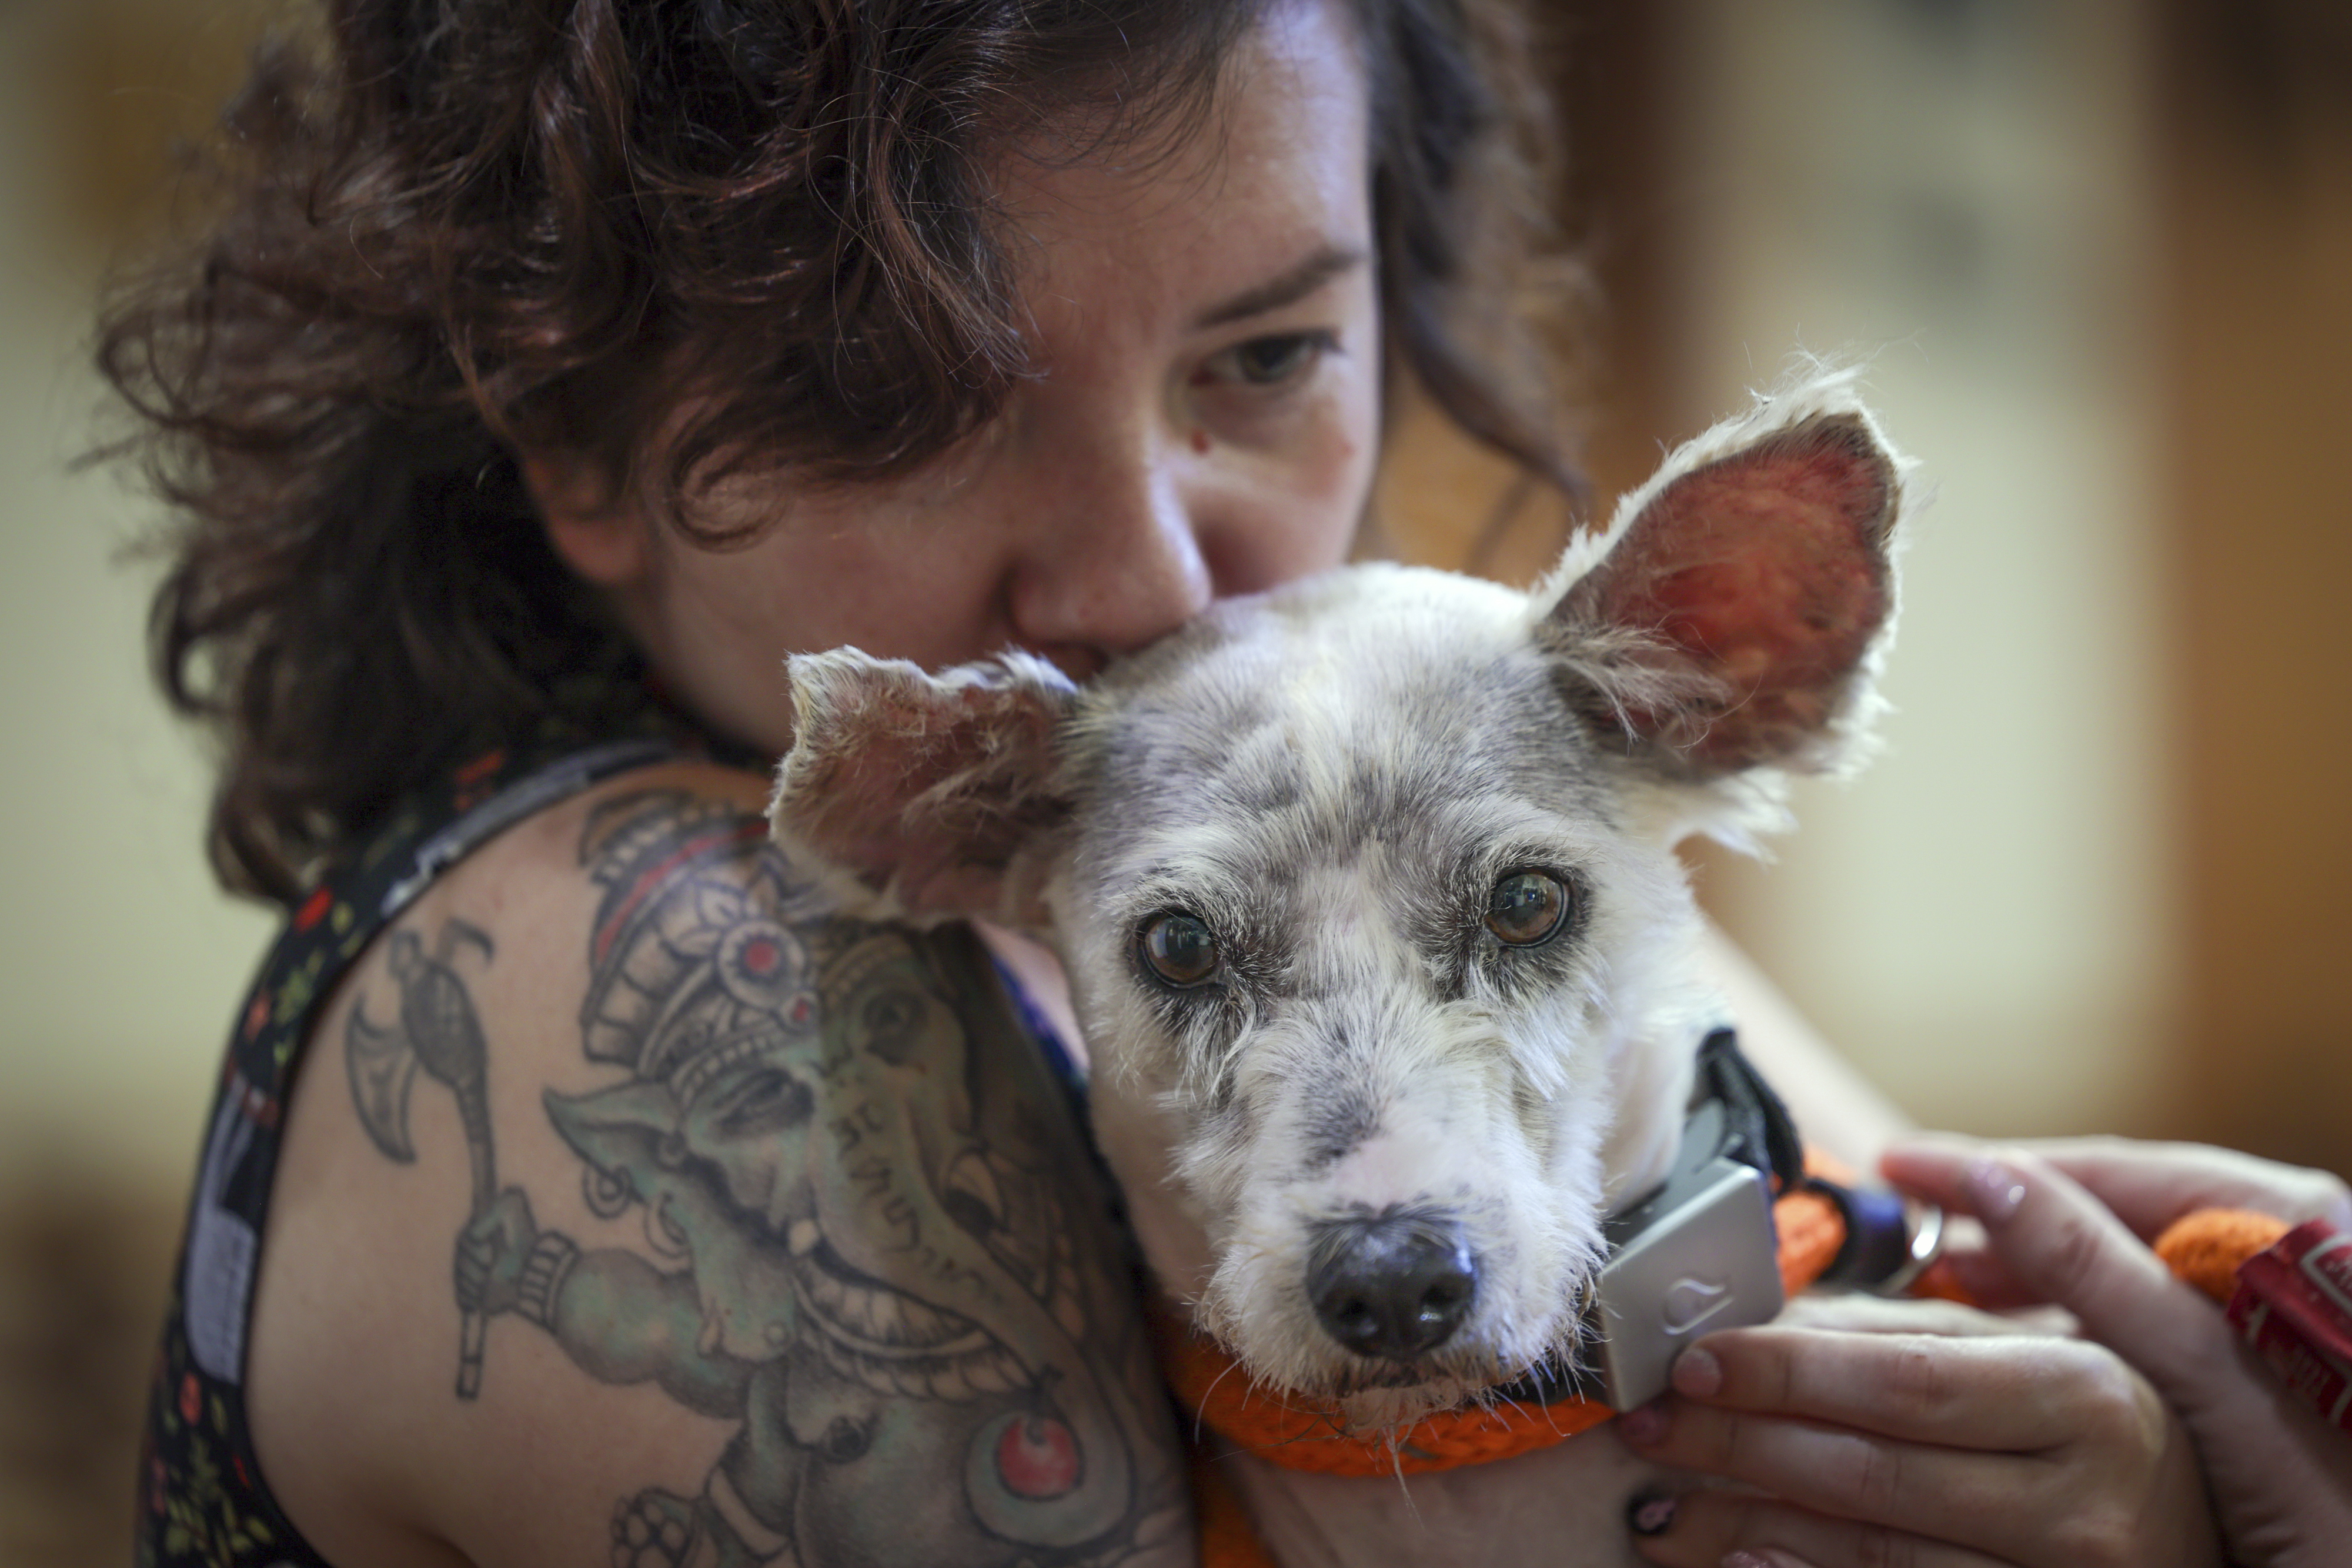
(1232, 1365)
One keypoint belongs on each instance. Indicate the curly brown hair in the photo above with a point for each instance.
(457, 229)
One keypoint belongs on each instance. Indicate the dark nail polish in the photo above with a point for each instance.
(1651, 1512)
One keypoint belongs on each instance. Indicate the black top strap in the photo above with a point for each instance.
(1762, 1133)
(1759, 1130)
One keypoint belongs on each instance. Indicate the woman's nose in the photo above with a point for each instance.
(1111, 555)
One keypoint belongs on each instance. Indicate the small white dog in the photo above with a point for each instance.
(1367, 893)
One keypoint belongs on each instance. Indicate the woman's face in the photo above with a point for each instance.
(1202, 423)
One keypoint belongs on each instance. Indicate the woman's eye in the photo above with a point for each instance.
(1177, 948)
(1270, 361)
(1527, 907)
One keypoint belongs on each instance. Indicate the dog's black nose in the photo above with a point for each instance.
(1394, 1285)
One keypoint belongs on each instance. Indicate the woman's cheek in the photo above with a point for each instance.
(1329, 446)
(1334, 469)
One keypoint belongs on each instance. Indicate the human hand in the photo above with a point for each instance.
(2058, 1221)
(1923, 1432)
(2147, 1185)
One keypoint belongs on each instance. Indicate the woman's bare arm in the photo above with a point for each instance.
(771, 1236)
(1835, 1107)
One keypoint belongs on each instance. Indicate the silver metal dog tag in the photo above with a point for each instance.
(1698, 1257)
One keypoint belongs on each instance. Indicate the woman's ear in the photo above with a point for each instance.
(597, 532)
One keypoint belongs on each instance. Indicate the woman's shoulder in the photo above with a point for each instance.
(634, 1196)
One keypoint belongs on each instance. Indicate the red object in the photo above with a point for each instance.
(2294, 1305)
(481, 766)
(1038, 1458)
(314, 909)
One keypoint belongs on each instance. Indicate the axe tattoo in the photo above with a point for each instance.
(437, 1031)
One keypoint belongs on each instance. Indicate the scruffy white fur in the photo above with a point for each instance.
(1332, 778)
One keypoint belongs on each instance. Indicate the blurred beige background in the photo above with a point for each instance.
(2099, 256)
(117, 962)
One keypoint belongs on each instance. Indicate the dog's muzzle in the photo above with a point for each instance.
(1394, 1285)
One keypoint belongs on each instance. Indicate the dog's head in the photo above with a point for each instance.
(1366, 892)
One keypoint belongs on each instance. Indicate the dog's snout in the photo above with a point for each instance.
(1395, 1285)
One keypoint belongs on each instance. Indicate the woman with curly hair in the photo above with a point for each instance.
(581, 1186)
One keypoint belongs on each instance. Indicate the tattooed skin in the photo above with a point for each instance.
(438, 1032)
(864, 1209)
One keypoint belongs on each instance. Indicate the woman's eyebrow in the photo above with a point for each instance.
(1293, 285)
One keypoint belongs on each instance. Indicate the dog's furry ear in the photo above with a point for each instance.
(922, 797)
(1732, 618)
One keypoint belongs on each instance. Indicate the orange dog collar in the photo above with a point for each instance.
(1302, 1434)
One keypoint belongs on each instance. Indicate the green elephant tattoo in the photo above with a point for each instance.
(873, 1238)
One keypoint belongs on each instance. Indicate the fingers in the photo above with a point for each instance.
(2061, 1244)
(1988, 1392)
(1710, 1528)
(2024, 1449)
(2147, 1186)
(2275, 1472)
(1885, 1489)
(2096, 1473)
(1857, 1313)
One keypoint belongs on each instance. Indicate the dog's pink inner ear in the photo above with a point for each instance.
(1764, 572)
(927, 787)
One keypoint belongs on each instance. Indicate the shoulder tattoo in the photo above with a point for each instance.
(873, 1238)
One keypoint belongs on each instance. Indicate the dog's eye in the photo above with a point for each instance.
(1179, 948)
(1527, 908)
